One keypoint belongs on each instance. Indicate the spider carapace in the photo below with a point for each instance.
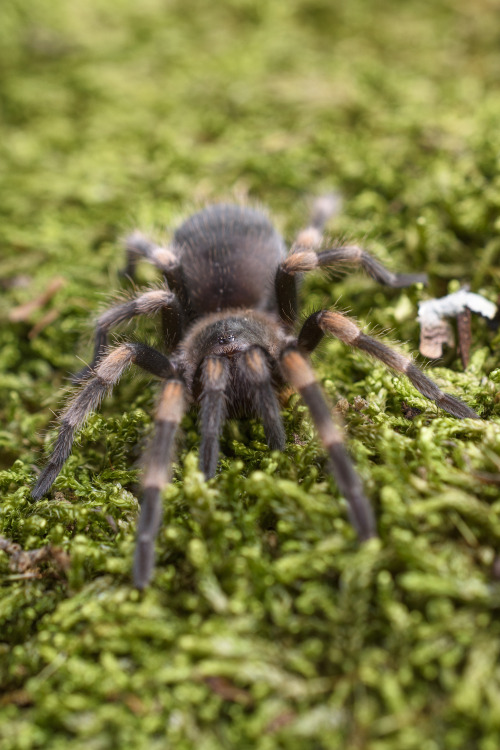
(229, 344)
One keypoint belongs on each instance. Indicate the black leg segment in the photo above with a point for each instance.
(255, 376)
(347, 331)
(297, 371)
(149, 303)
(303, 258)
(157, 465)
(213, 411)
(106, 375)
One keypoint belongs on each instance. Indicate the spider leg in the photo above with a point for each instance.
(157, 300)
(298, 372)
(303, 258)
(256, 379)
(157, 463)
(323, 208)
(348, 332)
(138, 245)
(106, 375)
(214, 378)
(306, 242)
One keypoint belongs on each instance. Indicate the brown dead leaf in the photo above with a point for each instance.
(434, 337)
(342, 406)
(228, 690)
(409, 412)
(280, 721)
(17, 698)
(27, 562)
(360, 403)
(23, 312)
(46, 320)
(135, 704)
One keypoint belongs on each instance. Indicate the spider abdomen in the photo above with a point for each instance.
(229, 255)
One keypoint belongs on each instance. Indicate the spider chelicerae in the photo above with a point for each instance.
(229, 309)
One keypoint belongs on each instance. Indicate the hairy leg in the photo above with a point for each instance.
(148, 303)
(88, 398)
(214, 380)
(298, 372)
(256, 378)
(157, 465)
(138, 245)
(303, 258)
(349, 333)
(307, 240)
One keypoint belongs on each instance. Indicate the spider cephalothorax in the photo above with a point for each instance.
(229, 308)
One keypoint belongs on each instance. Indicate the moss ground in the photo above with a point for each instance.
(266, 626)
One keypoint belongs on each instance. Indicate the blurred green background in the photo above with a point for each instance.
(266, 626)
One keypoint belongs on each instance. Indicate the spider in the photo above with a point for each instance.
(229, 309)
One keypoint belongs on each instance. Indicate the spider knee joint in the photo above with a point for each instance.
(340, 326)
(297, 369)
(113, 365)
(171, 406)
(300, 262)
(309, 239)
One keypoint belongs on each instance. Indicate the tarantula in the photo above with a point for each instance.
(228, 308)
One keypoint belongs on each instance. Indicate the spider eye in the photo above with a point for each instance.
(225, 339)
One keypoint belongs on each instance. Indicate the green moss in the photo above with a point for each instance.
(266, 625)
